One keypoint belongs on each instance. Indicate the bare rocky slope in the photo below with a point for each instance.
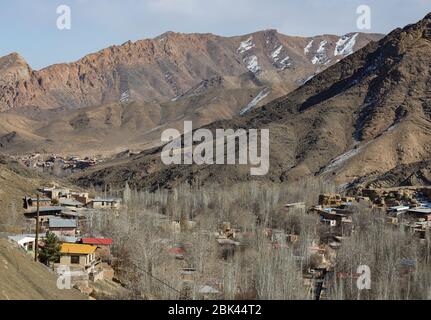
(364, 117)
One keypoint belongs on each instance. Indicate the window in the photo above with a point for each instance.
(74, 259)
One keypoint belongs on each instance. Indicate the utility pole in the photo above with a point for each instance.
(36, 246)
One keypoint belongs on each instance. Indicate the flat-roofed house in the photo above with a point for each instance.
(45, 214)
(63, 227)
(104, 203)
(44, 211)
(82, 197)
(70, 203)
(25, 241)
(78, 255)
(58, 193)
(30, 202)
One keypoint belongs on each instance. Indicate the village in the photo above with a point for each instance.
(87, 257)
(51, 162)
(63, 213)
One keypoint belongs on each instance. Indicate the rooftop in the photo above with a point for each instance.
(77, 248)
(70, 202)
(421, 210)
(19, 238)
(62, 223)
(46, 209)
(399, 208)
(104, 200)
(97, 241)
(35, 199)
(68, 239)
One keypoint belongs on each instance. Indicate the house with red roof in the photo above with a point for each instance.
(103, 245)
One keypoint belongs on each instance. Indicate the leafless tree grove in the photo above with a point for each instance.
(151, 226)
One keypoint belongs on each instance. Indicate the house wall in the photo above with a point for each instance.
(42, 203)
(63, 231)
(83, 199)
(104, 205)
(28, 245)
(57, 193)
(418, 216)
(84, 260)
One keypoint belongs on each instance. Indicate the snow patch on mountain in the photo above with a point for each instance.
(262, 95)
(308, 47)
(345, 45)
(246, 45)
(322, 46)
(252, 64)
(276, 53)
(320, 56)
(337, 162)
(285, 62)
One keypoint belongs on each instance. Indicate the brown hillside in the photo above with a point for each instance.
(23, 279)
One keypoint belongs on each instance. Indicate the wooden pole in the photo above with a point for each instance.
(36, 246)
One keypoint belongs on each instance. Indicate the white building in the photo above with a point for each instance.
(26, 242)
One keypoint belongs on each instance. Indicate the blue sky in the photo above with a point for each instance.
(29, 26)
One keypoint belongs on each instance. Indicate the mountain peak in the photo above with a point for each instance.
(14, 67)
(12, 59)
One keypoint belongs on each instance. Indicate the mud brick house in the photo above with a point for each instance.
(103, 245)
(45, 214)
(70, 203)
(63, 227)
(44, 211)
(56, 193)
(330, 200)
(30, 202)
(82, 197)
(100, 203)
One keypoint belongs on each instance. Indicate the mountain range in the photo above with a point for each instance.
(123, 96)
(364, 121)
